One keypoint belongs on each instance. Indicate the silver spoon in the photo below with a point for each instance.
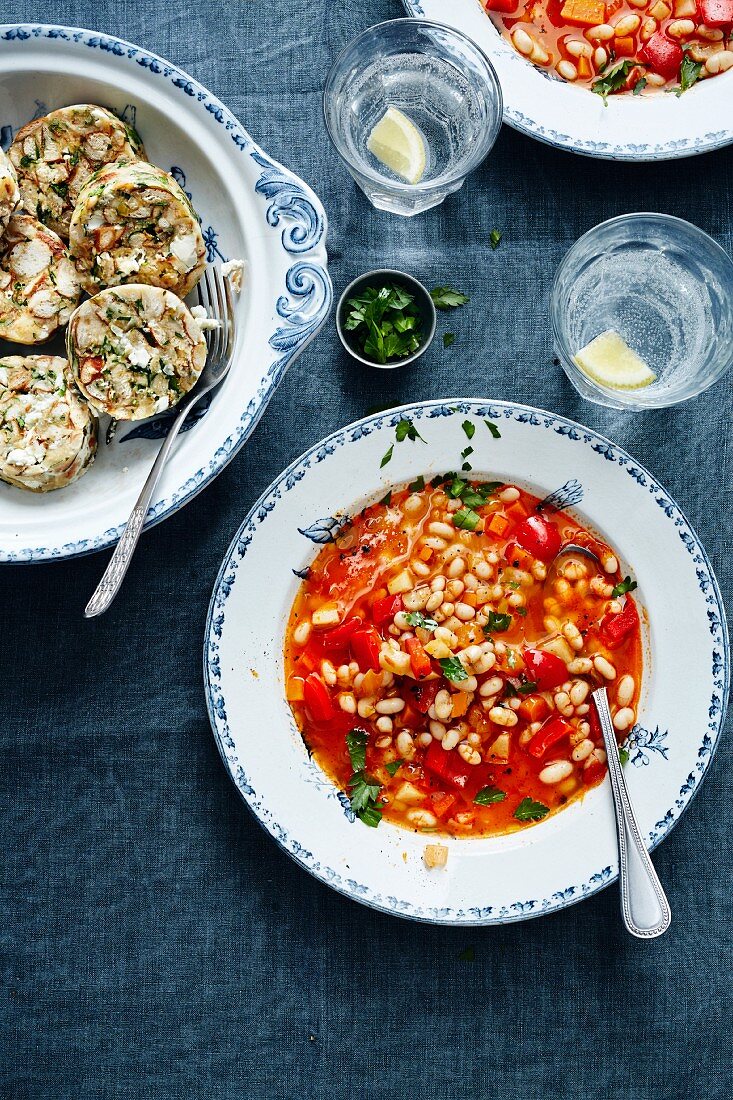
(644, 906)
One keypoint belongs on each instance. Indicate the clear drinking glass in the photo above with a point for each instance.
(666, 287)
(440, 80)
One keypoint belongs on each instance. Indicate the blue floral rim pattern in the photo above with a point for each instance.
(306, 297)
(665, 150)
(640, 743)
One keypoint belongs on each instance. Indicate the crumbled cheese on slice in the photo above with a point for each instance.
(138, 356)
(128, 265)
(233, 270)
(205, 322)
(21, 457)
(184, 250)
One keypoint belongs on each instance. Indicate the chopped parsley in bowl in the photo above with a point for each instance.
(386, 319)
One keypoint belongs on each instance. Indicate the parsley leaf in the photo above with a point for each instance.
(405, 429)
(469, 428)
(453, 670)
(527, 688)
(387, 457)
(623, 755)
(466, 519)
(529, 810)
(393, 767)
(487, 795)
(689, 73)
(493, 429)
(356, 742)
(445, 297)
(364, 793)
(494, 239)
(624, 586)
(387, 498)
(466, 452)
(613, 79)
(497, 623)
(384, 322)
(417, 485)
(449, 339)
(416, 618)
(640, 86)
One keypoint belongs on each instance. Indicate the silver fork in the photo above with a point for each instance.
(215, 295)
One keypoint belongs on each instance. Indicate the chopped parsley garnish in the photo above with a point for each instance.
(363, 797)
(624, 586)
(623, 755)
(449, 339)
(384, 323)
(469, 428)
(529, 810)
(488, 795)
(466, 519)
(466, 452)
(445, 297)
(405, 429)
(467, 465)
(613, 79)
(387, 457)
(527, 688)
(493, 429)
(356, 742)
(497, 623)
(416, 618)
(689, 73)
(453, 670)
(640, 86)
(387, 498)
(494, 239)
(393, 767)
(417, 485)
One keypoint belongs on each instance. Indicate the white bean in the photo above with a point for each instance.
(503, 716)
(555, 772)
(582, 750)
(451, 739)
(623, 719)
(522, 41)
(579, 692)
(442, 530)
(302, 632)
(491, 687)
(567, 70)
(405, 745)
(604, 32)
(423, 819)
(465, 612)
(626, 25)
(604, 667)
(625, 690)
(347, 702)
(390, 706)
(384, 724)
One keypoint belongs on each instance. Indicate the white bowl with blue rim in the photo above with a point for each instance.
(251, 208)
(492, 880)
(650, 127)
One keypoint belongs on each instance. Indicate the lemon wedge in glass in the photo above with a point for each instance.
(398, 144)
(610, 361)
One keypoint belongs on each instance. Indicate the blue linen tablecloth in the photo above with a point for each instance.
(155, 943)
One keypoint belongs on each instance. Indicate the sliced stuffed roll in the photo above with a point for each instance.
(135, 350)
(48, 433)
(9, 190)
(134, 224)
(55, 155)
(39, 287)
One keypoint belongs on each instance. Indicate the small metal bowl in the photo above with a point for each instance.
(423, 302)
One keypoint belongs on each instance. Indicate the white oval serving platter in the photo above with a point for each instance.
(545, 867)
(251, 208)
(649, 127)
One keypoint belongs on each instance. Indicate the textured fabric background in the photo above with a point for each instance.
(155, 944)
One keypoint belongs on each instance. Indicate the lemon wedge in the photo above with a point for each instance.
(609, 360)
(397, 143)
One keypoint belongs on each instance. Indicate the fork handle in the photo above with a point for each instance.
(644, 904)
(119, 563)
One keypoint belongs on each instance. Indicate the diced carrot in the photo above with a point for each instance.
(426, 553)
(469, 598)
(584, 69)
(613, 7)
(442, 803)
(295, 689)
(307, 661)
(460, 704)
(584, 13)
(534, 708)
(624, 47)
(499, 524)
(517, 510)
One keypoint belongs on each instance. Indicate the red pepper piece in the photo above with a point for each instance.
(365, 646)
(539, 537)
(421, 666)
(425, 695)
(505, 6)
(317, 699)
(551, 733)
(716, 13)
(448, 766)
(545, 669)
(383, 611)
(339, 637)
(663, 55)
(616, 629)
(441, 804)
(594, 772)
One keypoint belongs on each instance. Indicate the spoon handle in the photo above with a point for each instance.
(644, 905)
